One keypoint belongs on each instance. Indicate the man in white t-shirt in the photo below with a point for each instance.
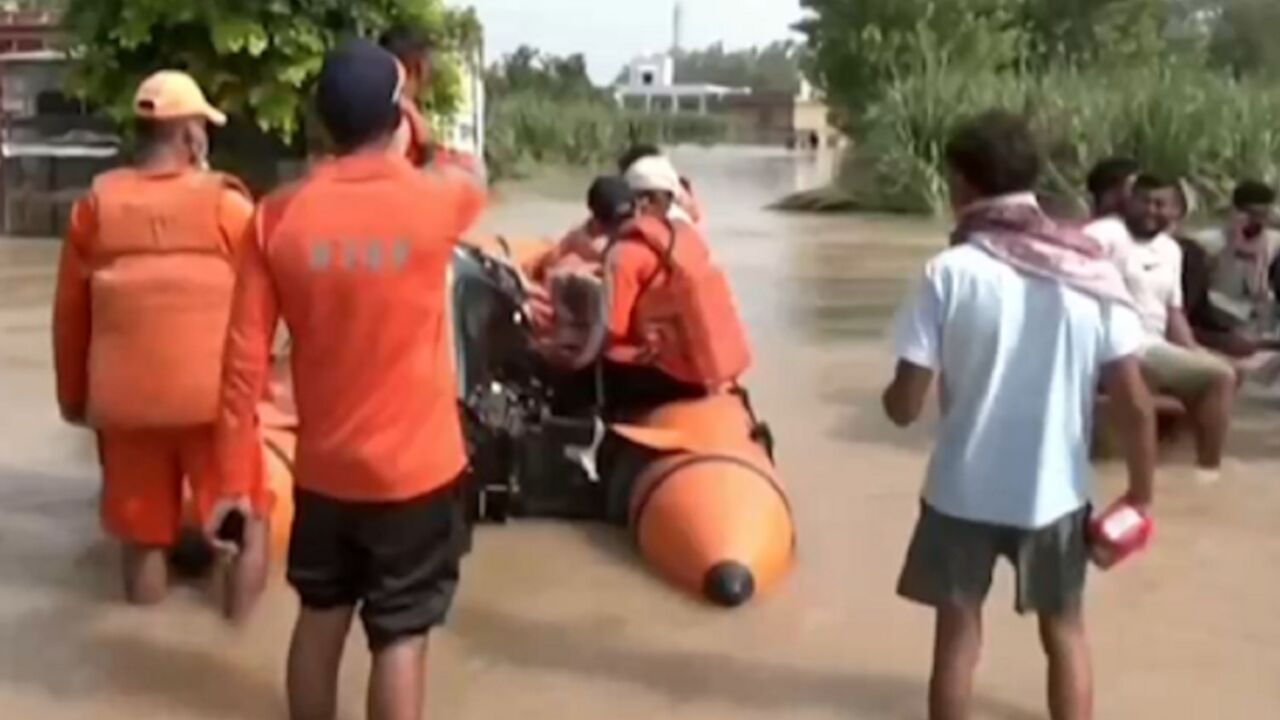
(1151, 262)
(1019, 321)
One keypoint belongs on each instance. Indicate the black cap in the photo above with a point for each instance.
(611, 200)
(358, 93)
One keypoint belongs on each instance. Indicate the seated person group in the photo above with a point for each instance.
(1207, 299)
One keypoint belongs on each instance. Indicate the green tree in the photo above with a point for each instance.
(528, 70)
(1093, 32)
(856, 48)
(33, 4)
(255, 58)
(1242, 34)
(1095, 77)
(772, 68)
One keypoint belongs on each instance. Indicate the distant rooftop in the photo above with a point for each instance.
(654, 76)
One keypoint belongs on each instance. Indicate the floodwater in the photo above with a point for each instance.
(561, 622)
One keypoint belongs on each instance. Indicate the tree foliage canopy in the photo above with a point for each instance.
(857, 47)
(772, 68)
(1242, 34)
(543, 109)
(528, 70)
(1180, 84)
(254, 58)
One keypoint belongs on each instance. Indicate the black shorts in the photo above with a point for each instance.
(951, 562)
(398, 561)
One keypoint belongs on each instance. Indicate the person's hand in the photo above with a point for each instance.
(222, 510)
(1138, 501)
(540, 308)
(554, 354)
(1238, 345)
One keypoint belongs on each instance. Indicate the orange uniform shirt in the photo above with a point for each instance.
(72, 320)
(355, 259)
(581, 245)
(634, 267)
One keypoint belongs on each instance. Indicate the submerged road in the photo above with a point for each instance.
(561, 622)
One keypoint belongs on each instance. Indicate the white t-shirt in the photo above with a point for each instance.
(1151, 269)
(1019, 359)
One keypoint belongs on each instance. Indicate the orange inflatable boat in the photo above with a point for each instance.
(278, 416)
(694, 481)
(278, 448)
(709, 513)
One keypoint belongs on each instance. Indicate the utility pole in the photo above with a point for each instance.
(677, 27)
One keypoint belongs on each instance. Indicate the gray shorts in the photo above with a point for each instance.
(951, 562)
(1183, 372)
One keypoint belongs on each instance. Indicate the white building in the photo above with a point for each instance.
(651, 86)
(651, 81)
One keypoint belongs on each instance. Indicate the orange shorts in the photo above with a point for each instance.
(154, 480)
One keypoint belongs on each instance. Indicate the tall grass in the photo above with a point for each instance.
(526, 130)
(1179, 120)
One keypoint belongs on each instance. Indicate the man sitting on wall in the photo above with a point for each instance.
(1172, 361)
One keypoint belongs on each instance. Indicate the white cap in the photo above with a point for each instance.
(654, 174)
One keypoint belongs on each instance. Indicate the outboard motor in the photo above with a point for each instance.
(525, 462)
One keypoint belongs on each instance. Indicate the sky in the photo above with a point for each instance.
(611, 32)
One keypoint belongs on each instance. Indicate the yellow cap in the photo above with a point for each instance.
(174, 95)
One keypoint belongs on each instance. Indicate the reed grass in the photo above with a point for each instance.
(527, 130)
(1179, 120)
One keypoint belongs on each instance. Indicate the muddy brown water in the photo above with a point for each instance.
(562, 622)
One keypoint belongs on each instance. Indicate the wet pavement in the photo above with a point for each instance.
(558, 621)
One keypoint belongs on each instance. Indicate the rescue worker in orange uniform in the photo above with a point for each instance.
(566, 298)
(145, 287)
(586, 242)
(413, 51)
(686, 200)
(354, 258)
(673, 329)
(611, 204)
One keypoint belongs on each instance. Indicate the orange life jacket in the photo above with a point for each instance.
(162, 281)
(685, 320)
